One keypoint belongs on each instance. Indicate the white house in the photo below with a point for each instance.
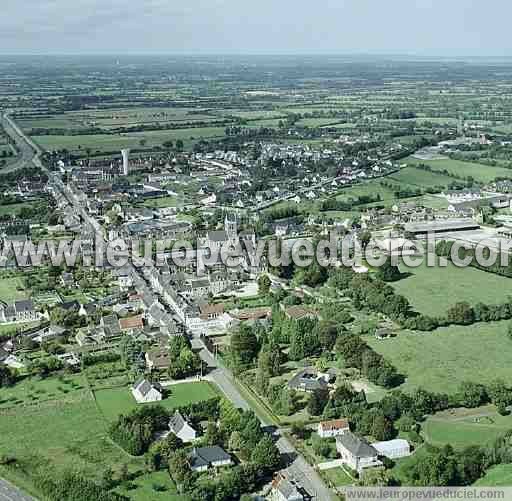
(334, 428)
(356, 453)
(181, 428)
(144, 392)
(393, 449)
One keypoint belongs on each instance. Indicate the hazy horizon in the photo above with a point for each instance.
(423, 28)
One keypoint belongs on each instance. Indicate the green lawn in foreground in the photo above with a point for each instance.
(441, 360)
(432, 291)
(116, 401)
(148, 488)
(497, 476)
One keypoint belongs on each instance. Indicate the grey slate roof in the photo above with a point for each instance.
(356, 446)
(176, 423)
(24, 305)
(205, 456)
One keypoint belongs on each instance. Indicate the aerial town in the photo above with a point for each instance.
(249, 277)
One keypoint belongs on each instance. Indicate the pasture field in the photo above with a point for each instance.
(441, 360)
(115, 401)
(432, 291)
(464, 427)
(68, 427)
(99, 143)
(158, 203)
(479, 172)
(420, 178)
(497, 476)
(60, 434)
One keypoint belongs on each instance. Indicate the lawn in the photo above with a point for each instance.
(11, 288)
(479, 172)
(337, 477)
(464, 427)
(158, 203)
(14, 209)
(432, 291)
(115, 401)
(497, 476)
(152, 487)
(441, 360)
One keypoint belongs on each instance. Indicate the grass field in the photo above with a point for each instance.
(420, 178)
(432, 291)
(441, 360)
(116, 401)
(113, 142)
(464, 427)
(479, 172)
(158, 203)
(11, 289)
(68, 430)
(153, 487)
(497, 476)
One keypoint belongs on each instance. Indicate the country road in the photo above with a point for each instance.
(297, 467)
(26, 153)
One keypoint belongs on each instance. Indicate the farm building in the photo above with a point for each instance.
(434, 227)
(393, 449)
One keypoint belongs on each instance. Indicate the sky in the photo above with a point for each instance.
(422, 27)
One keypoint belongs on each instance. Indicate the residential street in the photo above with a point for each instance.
(10, 493)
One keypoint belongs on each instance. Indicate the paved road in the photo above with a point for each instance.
(298, 468)
(26, 153)
(10, 493)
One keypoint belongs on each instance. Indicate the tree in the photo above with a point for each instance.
(461, 314)
(179, 145)
(375, 477)
(382, 428)
(7, 376)
(179, 468)
(244, 347)
(266, 455)
(472, 395)
(264, 284)
(318, 401)
(388, 272)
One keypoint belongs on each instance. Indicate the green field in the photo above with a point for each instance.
(337, 477)
(11, 288)
(66, 427)
(432, 291)
(441, 360)
(472, 427)
(113, 142)
(158, 203)
(116, 401)
(497, 476)
(479, 172)
(420, 178)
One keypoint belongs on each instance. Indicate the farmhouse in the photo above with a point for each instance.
(204, 458)
(355, 452)
(393, 449)
(179, 426)
(309, 380)
(143, 391)
(334, 428)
